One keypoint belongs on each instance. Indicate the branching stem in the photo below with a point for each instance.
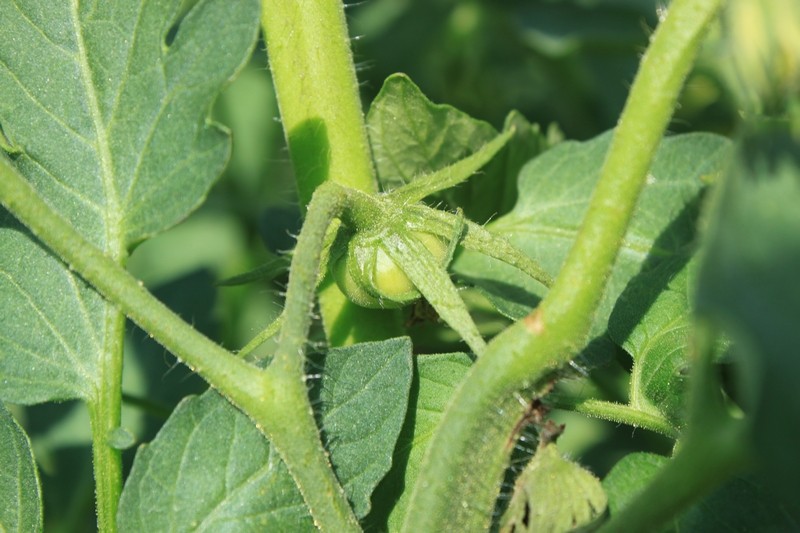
(465, 459)
(276, 399)
(315, 82)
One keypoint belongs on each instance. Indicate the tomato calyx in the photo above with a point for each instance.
(369, 277)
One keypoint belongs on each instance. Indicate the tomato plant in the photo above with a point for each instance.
(461, 302)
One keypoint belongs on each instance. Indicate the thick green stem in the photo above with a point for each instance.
(315, 81)
(275, 399)
(466, 457)
(105, 416)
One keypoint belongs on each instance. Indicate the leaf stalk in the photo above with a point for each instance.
(276, 399)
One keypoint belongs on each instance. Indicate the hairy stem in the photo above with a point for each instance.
(315, 81)
(105, 416)
(294, 431)
(616, 412)
(465, 459)
(276, 399)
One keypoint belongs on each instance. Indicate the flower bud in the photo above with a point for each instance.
(370, 278)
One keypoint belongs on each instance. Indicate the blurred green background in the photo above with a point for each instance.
(563, 62)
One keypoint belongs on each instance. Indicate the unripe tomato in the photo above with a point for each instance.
(370, 278)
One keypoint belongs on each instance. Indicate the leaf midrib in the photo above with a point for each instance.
(113, 244)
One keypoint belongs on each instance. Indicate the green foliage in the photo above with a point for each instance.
(207, 465)
(20, 495)
(555, 189)
(538, 504)
(660, 267)
(210, 469)
(659, 339)
(412, 137)
(131, 113)
(742, 504)
(754, 248)
(629, 476)
(436, 377)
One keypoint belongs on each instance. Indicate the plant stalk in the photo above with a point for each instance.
(105, 417)
(275, 399)
(315, 81)
(317, 90)
(466, 457)
(616, 412)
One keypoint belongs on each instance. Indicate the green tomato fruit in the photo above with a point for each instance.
(370, 278)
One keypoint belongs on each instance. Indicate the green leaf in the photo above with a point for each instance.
(49, 346)
(436, 378)
(652, 321)
(20, 495)
(412, 137)
(553, 494)
(110, 116)
(741, 504)
(629, 477)
(364, 395)
(554, 191)
(210, 469)
(748, 286)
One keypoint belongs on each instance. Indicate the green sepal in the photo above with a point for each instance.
(451, 175)
(344, 267)
(435, 284)
(476, 238)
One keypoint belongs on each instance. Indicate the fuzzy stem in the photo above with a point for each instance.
(616, 412)
(105, 417)
(315, 82)
(293, 428)
(276, 399)
(465, 459)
